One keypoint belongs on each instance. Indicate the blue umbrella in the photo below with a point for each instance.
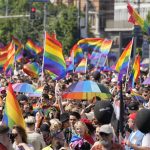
(23, 87)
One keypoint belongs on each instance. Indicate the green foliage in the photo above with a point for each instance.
(65, 26)
(60, 19)
(148, 17)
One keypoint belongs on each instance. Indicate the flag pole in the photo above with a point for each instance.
(85, 65)
(105, 60)
(98, 61)
(44, 41)
(121, 118)
(73, 61)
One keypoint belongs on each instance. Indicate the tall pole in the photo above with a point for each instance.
(138, 6)
(6, 12)
(86, 19)
(44, 18)
(135, 34)
(44, 37)
(79, 32)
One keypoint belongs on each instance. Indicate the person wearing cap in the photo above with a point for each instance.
(136, 136)
(133, 107)
(106, 140)
(34, 138)
(5, 143)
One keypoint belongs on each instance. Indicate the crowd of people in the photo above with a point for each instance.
(77, 124)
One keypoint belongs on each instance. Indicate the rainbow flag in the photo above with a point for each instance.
(70, 67)
(17, 43)
(105, 46)
(76, 54)
(4, 49)
(6, 55)
(52, 75)
(136, 19)
(3, 59)
(33, 48)
(135, 71)
(90, 44)
(53, 57)
(81, 68)
(9, 66)
(12, 112)
(18, 49)
(123, 61)
(32, 69)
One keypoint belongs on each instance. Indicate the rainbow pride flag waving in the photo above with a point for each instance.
(12, 112)
(53, 57)
(124, 60)
(136, 19)
(33, 48)
(135, 71)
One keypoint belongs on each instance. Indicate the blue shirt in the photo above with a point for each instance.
(135, 138)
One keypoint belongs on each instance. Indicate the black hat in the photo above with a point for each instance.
(103, 111)
(133, 105)
(64, 117)
(143, 120)
(45, 127)
(3, 129)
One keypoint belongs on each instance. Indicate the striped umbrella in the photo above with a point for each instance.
(86, 90)
(23, 87)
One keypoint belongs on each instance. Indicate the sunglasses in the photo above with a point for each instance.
(104, 134)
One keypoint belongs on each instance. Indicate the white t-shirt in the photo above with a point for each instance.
(146, 140)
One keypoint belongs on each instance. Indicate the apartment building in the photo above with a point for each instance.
(109, 18)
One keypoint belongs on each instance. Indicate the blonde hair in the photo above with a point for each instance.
(82, 124)
(55, 125)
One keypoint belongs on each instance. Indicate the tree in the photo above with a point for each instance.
(60, 19)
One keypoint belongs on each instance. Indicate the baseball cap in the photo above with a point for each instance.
(132, 116)
(133, 105)
(106, 129)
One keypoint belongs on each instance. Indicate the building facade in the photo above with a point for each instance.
(109, 18)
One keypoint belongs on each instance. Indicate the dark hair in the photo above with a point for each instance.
(45, 96)
(22, 133)
(76, 114)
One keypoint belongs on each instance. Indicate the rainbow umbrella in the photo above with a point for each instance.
(86, 90)
(23, 87)
(37, 92)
